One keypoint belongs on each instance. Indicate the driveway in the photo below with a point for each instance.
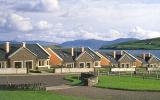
(107, 94)
(49, 80)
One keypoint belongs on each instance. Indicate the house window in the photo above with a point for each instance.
(18, 64)
(2, 64)
(82, 65)
(96, 64)
(69, 65)
(88, 65)
(127, 65)
(29, 64)
(41, 63)
(123, 65)
(47, 62)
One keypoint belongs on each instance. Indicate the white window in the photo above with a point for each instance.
(122, 65)
(96, 64)
(127, 65)
(88, 65)
(2, 64)
(47, 62)
(41, 63)
(70, 65)
(18, 64)
(29, 64)
(82, 65)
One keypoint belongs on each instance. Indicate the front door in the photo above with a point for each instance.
(29, 64)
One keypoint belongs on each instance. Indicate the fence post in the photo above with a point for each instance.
(131, 74)
(157, 74)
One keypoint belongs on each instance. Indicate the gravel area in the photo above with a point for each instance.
(48, 80)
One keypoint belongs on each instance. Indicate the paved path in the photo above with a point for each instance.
(107, 94)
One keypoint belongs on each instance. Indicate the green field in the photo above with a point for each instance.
(128, 83)
(31, 95)
(149, 44)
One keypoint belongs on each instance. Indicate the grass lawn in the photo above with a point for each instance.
(128, 83)
(32, 95)
(74, 80)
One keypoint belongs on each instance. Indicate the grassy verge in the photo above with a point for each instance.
(32, 95)
(128, 83)
(74, 80)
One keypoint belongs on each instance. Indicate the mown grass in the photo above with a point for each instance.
(37, 95)
(74, 80)
(128, 83)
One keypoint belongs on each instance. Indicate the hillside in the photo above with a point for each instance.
(93, 43)
(149, 44)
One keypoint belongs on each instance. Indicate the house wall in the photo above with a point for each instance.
(54, 60)
(154, 62)
(104, 62)
(137, 63)
(85, 58)
(23, 55)
(126, 60)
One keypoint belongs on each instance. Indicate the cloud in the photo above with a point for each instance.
(140, 33)
(42, 25)
(17, 23)
(39, 5)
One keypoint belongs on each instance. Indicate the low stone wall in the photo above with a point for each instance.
(123, 69)
(73, 70)
(90, 79)
(13, 71)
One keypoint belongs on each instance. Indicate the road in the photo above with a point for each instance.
(107, 94)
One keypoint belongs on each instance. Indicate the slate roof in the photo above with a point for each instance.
(34, 48)
(41, 54)
(66, 53)
(66, 56)
(2, 55)
(109, 55)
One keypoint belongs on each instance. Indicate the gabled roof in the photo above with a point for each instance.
(66, 53)
(63, 54)
(109, 57)
(128, 54)
(34, 48)
(21, 49)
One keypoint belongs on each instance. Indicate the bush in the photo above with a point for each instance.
(35, 71)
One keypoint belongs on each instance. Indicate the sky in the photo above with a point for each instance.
(66, 20)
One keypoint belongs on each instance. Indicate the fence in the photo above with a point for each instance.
(123, 69)
(13, 71)
(73, 70)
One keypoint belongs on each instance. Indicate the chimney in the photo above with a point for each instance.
(82, 49)
(114, 54)
(121, 52)
(24, 44)
(72, 51)
(7, 47)
(144, 55)
(149, 54)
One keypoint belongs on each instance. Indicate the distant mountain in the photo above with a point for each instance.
(150, 44)
(94, 44)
